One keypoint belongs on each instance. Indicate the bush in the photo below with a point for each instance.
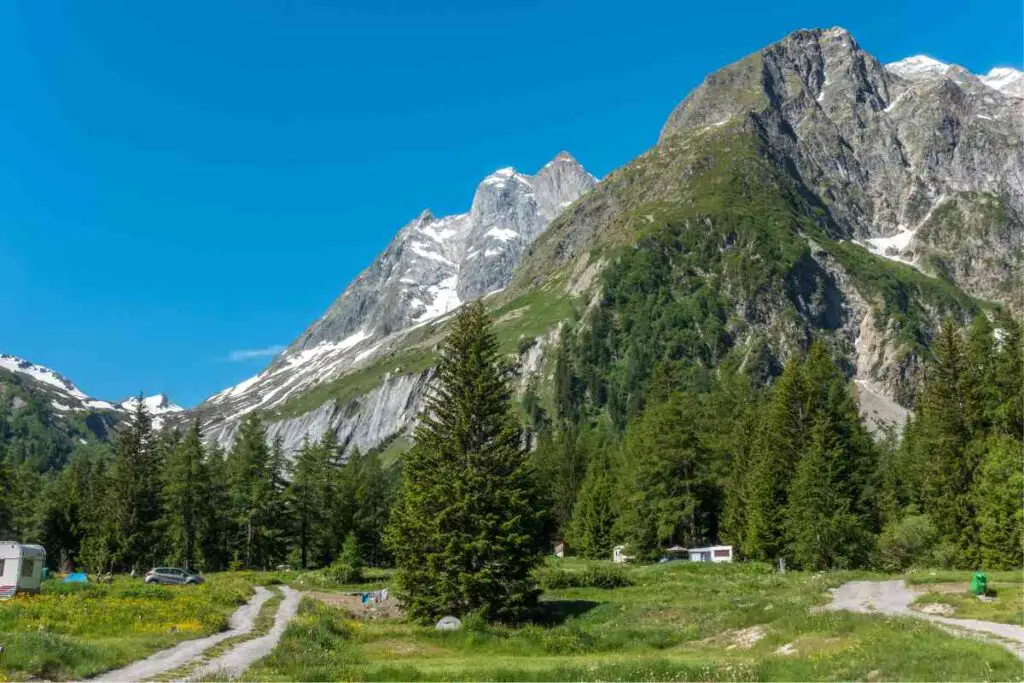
(907, 542)
(348, 568)
(595, 576)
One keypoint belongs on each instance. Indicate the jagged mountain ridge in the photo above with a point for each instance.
(61, 398)
(430, 267)
(886, 147)
(864, 153)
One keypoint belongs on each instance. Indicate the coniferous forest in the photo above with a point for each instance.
(638, 445)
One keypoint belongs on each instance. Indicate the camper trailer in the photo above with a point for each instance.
(21, 568)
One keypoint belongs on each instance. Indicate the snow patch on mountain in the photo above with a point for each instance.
(432, 266)
(155, 405)
(1006, 80)
(66, 397)
(42, 374)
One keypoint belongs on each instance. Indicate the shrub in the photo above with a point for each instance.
(907, 542)
(348, 568)
(595, 576)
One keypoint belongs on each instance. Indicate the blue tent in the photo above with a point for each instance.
(76, 577)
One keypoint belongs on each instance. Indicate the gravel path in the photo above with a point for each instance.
(894, 597)
(240, 623)
(235, 661)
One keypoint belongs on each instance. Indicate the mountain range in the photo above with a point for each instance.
(809, 192)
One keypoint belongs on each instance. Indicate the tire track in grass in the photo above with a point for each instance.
(235, 661)
(240, 623)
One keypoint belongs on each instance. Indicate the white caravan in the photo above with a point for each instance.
(21, 568)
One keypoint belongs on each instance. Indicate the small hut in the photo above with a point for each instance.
(21, 568)
(561, 548)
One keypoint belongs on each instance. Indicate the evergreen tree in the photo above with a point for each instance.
(999, 495)
(7, 494)
(822, 530)
(255, 478)
(465, 534)
(214, 514)
(373, 493)
(595, 514)
(773, 457)
(670, 480)
(947, 417)
(306, 500)
(186, 479)
(135, 503)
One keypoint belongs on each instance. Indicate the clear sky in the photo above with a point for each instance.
(183, 181)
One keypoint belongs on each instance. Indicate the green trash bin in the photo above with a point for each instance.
(979, 583)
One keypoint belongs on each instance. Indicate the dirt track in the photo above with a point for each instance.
(235, 661)
(241, 622)
(894, 597)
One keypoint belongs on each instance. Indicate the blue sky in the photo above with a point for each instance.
(182, 182)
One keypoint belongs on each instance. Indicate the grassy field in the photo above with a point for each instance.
(72, 631)
(675, 622)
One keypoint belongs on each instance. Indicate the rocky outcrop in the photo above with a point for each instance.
(428, 270)
(883, 148)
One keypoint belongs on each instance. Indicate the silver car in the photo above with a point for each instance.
(172, 575)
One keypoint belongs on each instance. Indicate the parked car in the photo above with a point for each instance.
(172, 575)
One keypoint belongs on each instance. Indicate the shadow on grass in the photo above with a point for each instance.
(555, 612)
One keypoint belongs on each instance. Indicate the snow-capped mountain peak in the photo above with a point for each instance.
(918, 66)
(432, 266)
(1006, 80)
(64, 396)
(42, 374)
(155, 405)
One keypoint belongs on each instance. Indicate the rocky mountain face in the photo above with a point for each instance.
(922, 167)
(430, 268)
(890, 151)
(827, 196)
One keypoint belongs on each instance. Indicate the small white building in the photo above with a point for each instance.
(619, 555)
(21, 568)
(712, 553)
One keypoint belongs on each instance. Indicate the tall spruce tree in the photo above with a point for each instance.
(947, 414)
(185, 481)
(822, 530)
(999, 499)
(669, 479)
(215, 519)
(595, 514)
(465, 533)
(136, 489)
(255, 496)
(774, 454)
(307, 505)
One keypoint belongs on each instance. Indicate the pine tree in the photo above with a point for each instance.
(774, 453)
(306, 500)
(595, 514)
(7, 494)
(822, 530)
(999, 496)
(215, 520)
(669, 480)
(186, 478)
(947, 414)
(256, 481)
(135, 505)
(465, 534)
